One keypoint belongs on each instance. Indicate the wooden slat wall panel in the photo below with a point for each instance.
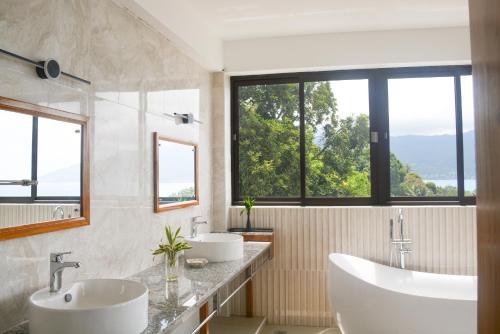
(291, 288)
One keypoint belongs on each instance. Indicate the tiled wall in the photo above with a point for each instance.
(291, 289)
(136, 74)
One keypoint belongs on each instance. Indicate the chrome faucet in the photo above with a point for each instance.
(57, 266)
(194, 225)
(58, 209)
(401, 245)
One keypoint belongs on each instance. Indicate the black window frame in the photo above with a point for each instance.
(34, 198)
(379, 122)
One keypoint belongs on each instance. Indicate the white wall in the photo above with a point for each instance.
(134, 71)
(182, 26)
(348, 50)
(221, 142)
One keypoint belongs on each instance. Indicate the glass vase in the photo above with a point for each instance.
(171, 267)
(249, 224)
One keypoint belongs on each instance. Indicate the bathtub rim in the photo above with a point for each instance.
(468, 282)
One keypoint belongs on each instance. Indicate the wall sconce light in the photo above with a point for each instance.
(184, 118)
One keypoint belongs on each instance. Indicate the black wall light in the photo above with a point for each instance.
(49, 69)
(45, 69)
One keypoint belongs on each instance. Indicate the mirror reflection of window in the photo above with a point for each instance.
(42, 149)
(44, 168)
(59, 158)
(47, 153)
(15, 149)
(176, 172)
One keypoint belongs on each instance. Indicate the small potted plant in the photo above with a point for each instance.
(171, 249)
(248, 202)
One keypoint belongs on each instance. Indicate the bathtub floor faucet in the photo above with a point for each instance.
(400, 245)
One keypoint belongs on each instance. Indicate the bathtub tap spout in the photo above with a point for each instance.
(402, 254)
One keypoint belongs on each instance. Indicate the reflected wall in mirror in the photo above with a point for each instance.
(175, 173)
(44, 178)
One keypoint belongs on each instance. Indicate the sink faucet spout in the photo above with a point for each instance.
(194, 225)
(57, 266)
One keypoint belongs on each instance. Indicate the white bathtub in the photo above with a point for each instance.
(370, 298)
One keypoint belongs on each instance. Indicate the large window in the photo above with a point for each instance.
(269, 136)
(382, 136)
(423, 144)
(337, 131)
(468, 136)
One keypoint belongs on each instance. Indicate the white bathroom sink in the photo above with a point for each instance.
(216, 247)
(104, 306)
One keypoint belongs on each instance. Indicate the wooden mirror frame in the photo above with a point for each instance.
(156, 167)
(62, 224)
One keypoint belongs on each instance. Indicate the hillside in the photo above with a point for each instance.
(434, 157)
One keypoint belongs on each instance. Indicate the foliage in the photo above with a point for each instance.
(174, 245)
(337, 149)
(248, 202)
(186, 194)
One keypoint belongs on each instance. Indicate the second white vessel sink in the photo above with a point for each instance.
(104, 306)
(216, 247)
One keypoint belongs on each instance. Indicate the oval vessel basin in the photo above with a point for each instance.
(104, 306)
(216, 247)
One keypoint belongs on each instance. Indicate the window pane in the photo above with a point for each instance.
(337, 138)
(269, 156)
(422, 137)
(469, 136)
(59, 156)
(15, 150)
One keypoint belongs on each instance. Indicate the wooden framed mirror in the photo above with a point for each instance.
(175, 173)
(44, 174)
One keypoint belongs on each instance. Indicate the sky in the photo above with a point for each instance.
(352, 97)
(417, 106)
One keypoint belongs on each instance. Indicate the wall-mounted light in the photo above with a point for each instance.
(184, 118)
(49, 69)
(45, 69)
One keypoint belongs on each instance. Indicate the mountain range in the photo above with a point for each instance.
(434, 157)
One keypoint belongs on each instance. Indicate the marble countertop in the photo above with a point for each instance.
(171, 303)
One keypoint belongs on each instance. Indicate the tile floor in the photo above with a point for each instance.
(272, 329)
(244, 325)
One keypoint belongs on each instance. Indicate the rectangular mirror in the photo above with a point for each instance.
(175, 174)
(44, 176)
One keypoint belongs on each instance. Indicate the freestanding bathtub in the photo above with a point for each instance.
(370, 298)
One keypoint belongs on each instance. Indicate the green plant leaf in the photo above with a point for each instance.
(174, 244)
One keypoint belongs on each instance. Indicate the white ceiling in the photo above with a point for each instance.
(200, 27)
(243, 19)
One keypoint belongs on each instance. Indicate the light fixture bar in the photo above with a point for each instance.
(36, 64)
